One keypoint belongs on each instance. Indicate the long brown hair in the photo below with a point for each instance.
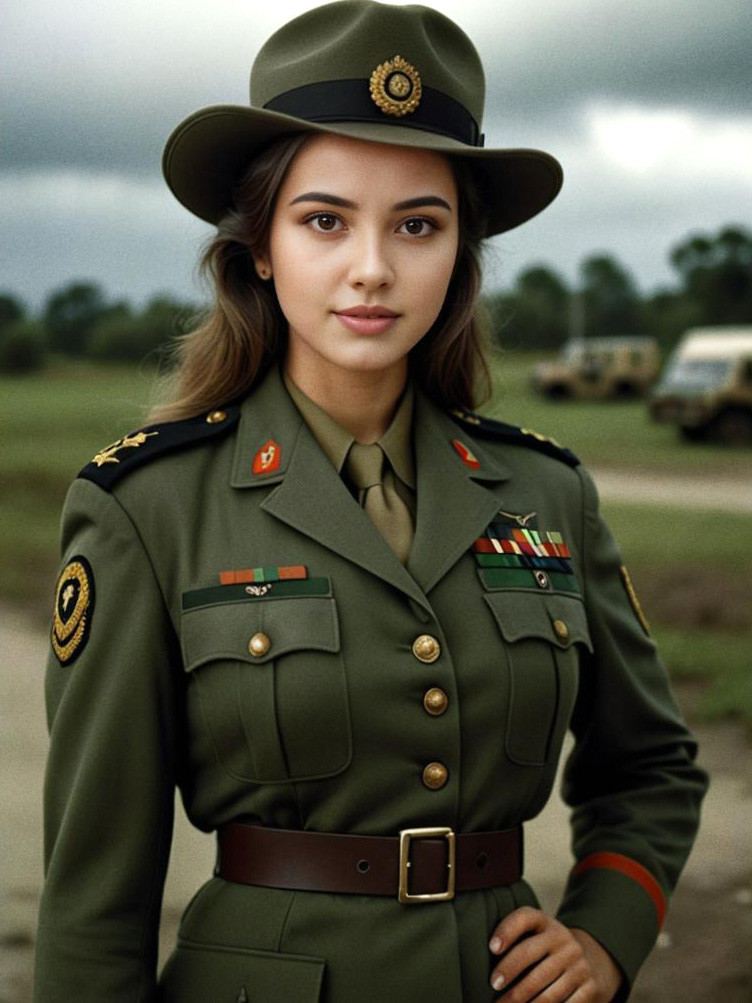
(244, 331)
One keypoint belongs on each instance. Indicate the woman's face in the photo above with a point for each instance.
(339, 239)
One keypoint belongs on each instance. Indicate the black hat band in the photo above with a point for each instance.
(350, 101)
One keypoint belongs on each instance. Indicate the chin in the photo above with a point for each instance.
(369, 358)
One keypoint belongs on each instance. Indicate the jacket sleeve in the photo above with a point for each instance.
(112, 691)
(631, 780)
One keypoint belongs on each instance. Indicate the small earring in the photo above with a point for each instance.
(263, 273)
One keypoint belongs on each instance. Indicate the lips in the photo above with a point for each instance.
(367, 324)
(367, 311)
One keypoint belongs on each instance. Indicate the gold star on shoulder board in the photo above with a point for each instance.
(541, 438)
(107, 455)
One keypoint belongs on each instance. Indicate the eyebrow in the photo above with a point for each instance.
(416, 203)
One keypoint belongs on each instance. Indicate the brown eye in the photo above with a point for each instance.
(419, 226)
(326, 222)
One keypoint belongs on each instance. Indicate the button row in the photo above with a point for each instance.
(427, 649)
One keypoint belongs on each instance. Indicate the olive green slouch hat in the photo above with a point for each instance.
(406, 75)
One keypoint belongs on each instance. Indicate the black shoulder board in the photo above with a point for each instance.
(146, 444)
(513, 434)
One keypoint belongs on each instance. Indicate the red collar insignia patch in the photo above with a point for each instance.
(466, 455)
(268, 458)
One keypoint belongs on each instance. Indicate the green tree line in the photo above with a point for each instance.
(540, 311)
(78, 321)
(713, 286)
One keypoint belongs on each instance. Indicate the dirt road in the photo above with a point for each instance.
(642, 488)
(703, 953)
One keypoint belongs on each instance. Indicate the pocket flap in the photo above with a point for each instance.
(225, 630)
(559, 619)
(202, 973)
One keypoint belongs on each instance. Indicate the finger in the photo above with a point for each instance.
(512, 927)
(527, 952)
(531, 985)
(554, 942)
(548, 984)
(581, 994)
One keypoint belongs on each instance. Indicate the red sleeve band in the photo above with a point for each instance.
(633, 870)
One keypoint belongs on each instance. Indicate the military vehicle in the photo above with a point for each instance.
(706, 388)
(598, 368)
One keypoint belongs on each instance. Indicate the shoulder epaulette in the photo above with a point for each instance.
(146, 444)
(513, 434)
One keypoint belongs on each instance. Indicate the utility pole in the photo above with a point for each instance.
(576, 316)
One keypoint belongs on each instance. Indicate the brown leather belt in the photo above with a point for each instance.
(419, 865)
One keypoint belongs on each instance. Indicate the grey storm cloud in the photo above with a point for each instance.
(643, 101)
(100, 86)
(681, 53)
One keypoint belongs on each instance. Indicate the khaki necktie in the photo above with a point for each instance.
(378, 496)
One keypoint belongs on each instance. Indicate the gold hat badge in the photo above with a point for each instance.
(395, 87)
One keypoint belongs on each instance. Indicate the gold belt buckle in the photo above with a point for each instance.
(403, 895)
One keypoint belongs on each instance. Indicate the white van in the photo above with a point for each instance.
(706, 387)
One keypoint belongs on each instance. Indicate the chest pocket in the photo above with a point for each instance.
(276, 711)
(542, 633)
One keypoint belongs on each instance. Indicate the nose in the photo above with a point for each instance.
(371, 266)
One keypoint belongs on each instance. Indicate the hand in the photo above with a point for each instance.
(558, 963)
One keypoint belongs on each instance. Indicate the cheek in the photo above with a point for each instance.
(438, 263)
(433, 281)
(287, 253)
(294, 269)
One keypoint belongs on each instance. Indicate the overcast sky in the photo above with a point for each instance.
(645, 102)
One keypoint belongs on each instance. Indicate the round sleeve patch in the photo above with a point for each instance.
(74, 608)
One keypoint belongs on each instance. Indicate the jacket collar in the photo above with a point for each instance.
(336, 440)
(455, 501)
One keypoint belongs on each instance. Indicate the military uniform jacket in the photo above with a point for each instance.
(151, 684)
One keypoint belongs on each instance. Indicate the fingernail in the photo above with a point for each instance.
(495, 944)
(498, 981)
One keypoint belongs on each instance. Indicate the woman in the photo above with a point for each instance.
(350, 619)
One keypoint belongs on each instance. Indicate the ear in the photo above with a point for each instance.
(263, 267)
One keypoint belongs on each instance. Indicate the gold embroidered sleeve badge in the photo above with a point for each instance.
(74, 608)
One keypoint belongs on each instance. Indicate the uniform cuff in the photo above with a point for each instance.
(620, 903)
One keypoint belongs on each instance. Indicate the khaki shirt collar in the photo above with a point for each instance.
(335, 441)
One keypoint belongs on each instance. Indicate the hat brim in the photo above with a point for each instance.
(206, 154)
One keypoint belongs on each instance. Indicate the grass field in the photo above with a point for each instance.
(693, 569)
(607, 434)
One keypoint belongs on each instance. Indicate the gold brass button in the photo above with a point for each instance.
(561, 630)
(435, 775)
(259, 644)
(426, 648)
(435, 701)
(214, 417)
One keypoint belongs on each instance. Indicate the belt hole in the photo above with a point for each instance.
(363, 866)
(482, 859)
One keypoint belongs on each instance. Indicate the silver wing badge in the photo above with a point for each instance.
(521, 520)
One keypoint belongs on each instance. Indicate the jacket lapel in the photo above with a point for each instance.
(310, 497)
(455, 501)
